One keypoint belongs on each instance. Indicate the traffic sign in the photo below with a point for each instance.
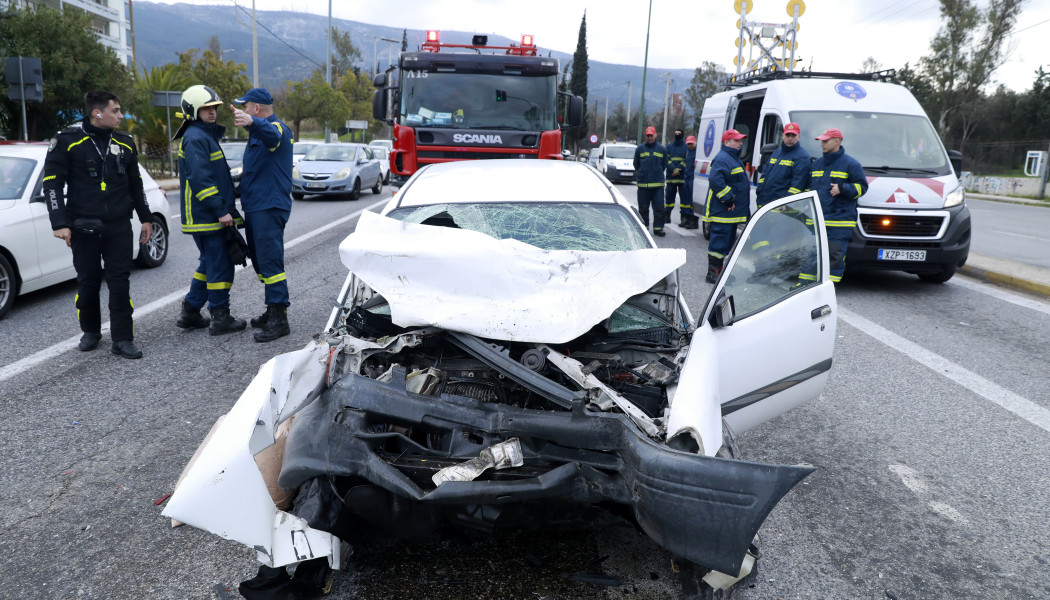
(594, 138)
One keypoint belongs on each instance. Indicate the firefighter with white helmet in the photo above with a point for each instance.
(208, 208)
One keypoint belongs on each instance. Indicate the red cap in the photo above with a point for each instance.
(691, 139)
(650, 131)
(792, 128)
(831, 133)
(732, 134)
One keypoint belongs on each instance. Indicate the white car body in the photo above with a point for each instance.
(432, 277)
(38, 259)
(619, 167)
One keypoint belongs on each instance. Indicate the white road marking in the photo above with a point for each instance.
(994, 393)
(23, 365)
(1001, 294)
(914, 482)
(1021, 235)
(680, 231)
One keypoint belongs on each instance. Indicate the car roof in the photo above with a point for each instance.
(507, 180)
(23, 149)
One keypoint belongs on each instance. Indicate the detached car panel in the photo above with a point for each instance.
(554, 393)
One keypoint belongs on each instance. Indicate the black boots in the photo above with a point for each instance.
(689, 222)
(222, 322)
(191, 318)
(273, 323)
(89, 341)
(714, 267)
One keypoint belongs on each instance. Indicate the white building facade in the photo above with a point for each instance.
(110, 20)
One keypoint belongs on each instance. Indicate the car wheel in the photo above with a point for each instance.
(8, 286)
(356, 192)
(939, 277)
(297, 196)
(386, 179)
(153, 253)
(378, 187)
(707, 230)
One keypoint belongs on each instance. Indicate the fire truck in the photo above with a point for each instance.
(472, 101)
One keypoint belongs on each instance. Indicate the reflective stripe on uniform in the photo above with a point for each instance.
(70, 147)
(220, 285)
(793, 190)
(724, 191)
(207, 192)
(817, 174)
(273, 278)
(200, 276)
(217, 155)
(787, 163)
(840, 174)
(840, 223)
(726, 219)
(650, 185)
(737, 170)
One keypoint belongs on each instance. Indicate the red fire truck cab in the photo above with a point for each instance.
(464, 102)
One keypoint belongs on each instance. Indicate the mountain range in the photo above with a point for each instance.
(292, 45)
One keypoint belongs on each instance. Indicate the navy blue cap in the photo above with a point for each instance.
(256, 95)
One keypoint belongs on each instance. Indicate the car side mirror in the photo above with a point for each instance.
(955, 158)
(723, 312)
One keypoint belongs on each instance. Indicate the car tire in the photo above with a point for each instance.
(297, 196)
(938, 277)
(386, 179)
(378, 187)
(8, 286)
(707, 230)
(153, 253)
(356, 192)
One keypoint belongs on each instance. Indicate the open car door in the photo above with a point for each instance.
(760, 309)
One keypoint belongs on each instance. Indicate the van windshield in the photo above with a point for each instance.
(880, 141)
(619, 151)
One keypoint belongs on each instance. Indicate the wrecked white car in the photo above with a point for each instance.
(511, 342)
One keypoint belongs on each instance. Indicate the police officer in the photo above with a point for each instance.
(99, 167)
(208, 208)
(728, 201)
(266, 187)
(676, 168)
(839, 181)
(787, 171)
(687, 189)
(650, 162)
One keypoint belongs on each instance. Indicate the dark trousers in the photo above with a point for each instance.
(214, 276)
(651, 196)
(723, 236)
(685, 195)
(104, 255)
(265, 232)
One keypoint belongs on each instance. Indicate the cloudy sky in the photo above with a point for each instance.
(834, 35)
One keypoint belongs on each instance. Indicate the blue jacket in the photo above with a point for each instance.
(650, 160)
(267, 179)
(204, 175)
(838, 167)
(786, 173)
(676, 152)
(690, 164)
(727, 185)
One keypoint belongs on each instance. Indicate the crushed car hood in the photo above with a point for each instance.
(466, 281)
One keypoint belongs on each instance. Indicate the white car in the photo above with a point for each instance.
(388, 144)
(301, 148)
(383, 154)
(511, 343)
(31, 258)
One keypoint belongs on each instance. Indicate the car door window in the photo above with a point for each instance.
(782, 243)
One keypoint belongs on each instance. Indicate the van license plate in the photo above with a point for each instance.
(891, 254)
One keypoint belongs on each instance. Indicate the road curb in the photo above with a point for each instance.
(1012, 281)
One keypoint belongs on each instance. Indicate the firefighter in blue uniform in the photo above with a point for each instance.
(266, 187)
(728, 201)
(91, 186)
(687, 189)
(676, 170)
(839, 181)
(787, 171)
(650, 161)
(208, 208)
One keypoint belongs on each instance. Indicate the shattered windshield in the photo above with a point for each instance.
(549, 226)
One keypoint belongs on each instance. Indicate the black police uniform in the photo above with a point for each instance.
(100, 168)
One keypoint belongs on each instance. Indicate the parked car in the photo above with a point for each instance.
(31, 258)
(388, 144)
(234, 153)
(383, 155)
(301, 148)
(616, 161)
(510, 343)
(337, 169)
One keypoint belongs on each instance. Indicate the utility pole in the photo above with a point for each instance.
(605, 131)
(328, 62)
(627, 132)
(645, 69)
(667, 96)
(255, 50)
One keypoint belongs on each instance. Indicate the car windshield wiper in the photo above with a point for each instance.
(905, 169)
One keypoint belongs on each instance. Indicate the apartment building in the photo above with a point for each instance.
(110, 20)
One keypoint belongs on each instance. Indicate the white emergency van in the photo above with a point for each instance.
(616, 161)
(914, 216)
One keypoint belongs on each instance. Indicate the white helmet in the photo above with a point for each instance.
(193, 99)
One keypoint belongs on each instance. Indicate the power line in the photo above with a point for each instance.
(1030, 27)
(278, 38)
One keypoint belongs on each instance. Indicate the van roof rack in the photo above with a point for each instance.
(769, 74)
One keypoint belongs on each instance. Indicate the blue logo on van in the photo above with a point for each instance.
(851, 90)
(709, 138)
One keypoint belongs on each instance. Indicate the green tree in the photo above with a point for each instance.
(150, 123)
(312, 99)
(969, 47)
(227, 78)
(345, 55)
(578, 83)
(707, 81)
(65, 44)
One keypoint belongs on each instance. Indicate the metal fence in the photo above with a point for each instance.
(1003, 157)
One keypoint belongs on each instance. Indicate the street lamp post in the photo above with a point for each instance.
(645, 68)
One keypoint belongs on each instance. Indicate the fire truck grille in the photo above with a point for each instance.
(901, 226)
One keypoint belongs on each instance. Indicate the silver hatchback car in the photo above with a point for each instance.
(337, 169)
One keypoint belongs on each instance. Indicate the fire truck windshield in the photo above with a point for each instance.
(478, 101)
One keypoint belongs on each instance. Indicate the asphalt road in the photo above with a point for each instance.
(932, 442)
(1014, 232)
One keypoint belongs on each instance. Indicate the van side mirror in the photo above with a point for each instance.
(955, 157)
